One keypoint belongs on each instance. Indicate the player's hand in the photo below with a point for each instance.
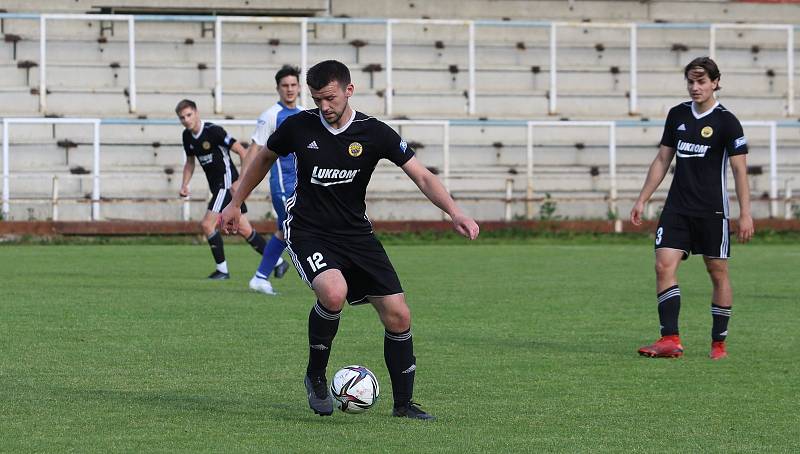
(746, 228)
(636, 213)
(229, 219)
(184, 192)
(466, 226)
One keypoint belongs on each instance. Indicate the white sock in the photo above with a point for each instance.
(280, 261)
(223, 267)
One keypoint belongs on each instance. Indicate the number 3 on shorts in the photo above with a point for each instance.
(659, 233)
(316, 263)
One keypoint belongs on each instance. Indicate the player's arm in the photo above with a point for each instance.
(655, 175)
(188, 171)
(739, 167)
(251, 151)
(240, 150)
(257, 169)
(433, 189)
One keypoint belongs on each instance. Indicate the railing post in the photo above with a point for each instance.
(42, 63)
(303, 62)
(634, 86)
(509, 197)
(712, 41)
(96, 173)
(612, 174)
(773, 169)
(446, 155)
(6, 197)
(218, 63)
(389, 88)
(55, 198)
(553, 82)
(529, 174)
(471, 67)
(132, 64)
(787, 204)
(790, 70)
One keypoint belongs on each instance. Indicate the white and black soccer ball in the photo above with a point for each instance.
(354, 389)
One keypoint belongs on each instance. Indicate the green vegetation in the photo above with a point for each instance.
(522, 347)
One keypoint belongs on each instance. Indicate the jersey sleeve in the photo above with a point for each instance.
(668, 137)
(265, 125)
(280, 141)
(394, 147)
(221, 136)
(735, 141)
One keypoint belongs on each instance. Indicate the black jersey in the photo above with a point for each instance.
(212, 148)
(334, 167)
(703, 143)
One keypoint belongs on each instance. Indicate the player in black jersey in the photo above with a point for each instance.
(329, 235)
(705, 137)
(211, 145)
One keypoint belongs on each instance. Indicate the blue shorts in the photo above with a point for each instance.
(281, 187)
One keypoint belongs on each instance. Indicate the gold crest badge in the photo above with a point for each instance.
(707, 132)
(206, 145)
(355, 149)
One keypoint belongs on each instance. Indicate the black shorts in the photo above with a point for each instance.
(361, 259)
(220, 199)
(707, 236)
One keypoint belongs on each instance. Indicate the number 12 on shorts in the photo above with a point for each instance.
(315, 261)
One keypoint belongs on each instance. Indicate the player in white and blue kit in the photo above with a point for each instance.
(282, 176)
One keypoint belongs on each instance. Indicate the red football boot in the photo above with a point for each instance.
(666, 347)
(718, 350)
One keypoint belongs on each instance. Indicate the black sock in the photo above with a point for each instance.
(719, 327)
(322, 327)
(257, 242)
(398, 351)
(669, 306)
(217, 250)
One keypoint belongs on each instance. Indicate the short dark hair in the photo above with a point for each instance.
(706, 64)
(326, 72)
(287, 70)
(184, 104)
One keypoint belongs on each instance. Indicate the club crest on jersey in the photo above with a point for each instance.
(691, 150)
(707, 132)
(206, 145)
(355, 149)
(328, 177)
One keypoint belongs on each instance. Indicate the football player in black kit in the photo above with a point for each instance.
(211, 145)
(705, 136)
(329, 235)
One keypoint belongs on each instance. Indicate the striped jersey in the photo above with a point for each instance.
(702, 143)
(334, 167)
(212, 149)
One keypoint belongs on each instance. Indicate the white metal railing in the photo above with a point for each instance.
(102, 17)
(445, 125)
(389, 108)
(789, 29)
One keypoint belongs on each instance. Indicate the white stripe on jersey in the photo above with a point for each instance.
(724, 180)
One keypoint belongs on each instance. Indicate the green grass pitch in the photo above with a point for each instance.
(525, 347)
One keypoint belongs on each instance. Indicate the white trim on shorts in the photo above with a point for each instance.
(219, 200)
(365, 297)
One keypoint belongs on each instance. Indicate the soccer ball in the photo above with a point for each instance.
(354, 389)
